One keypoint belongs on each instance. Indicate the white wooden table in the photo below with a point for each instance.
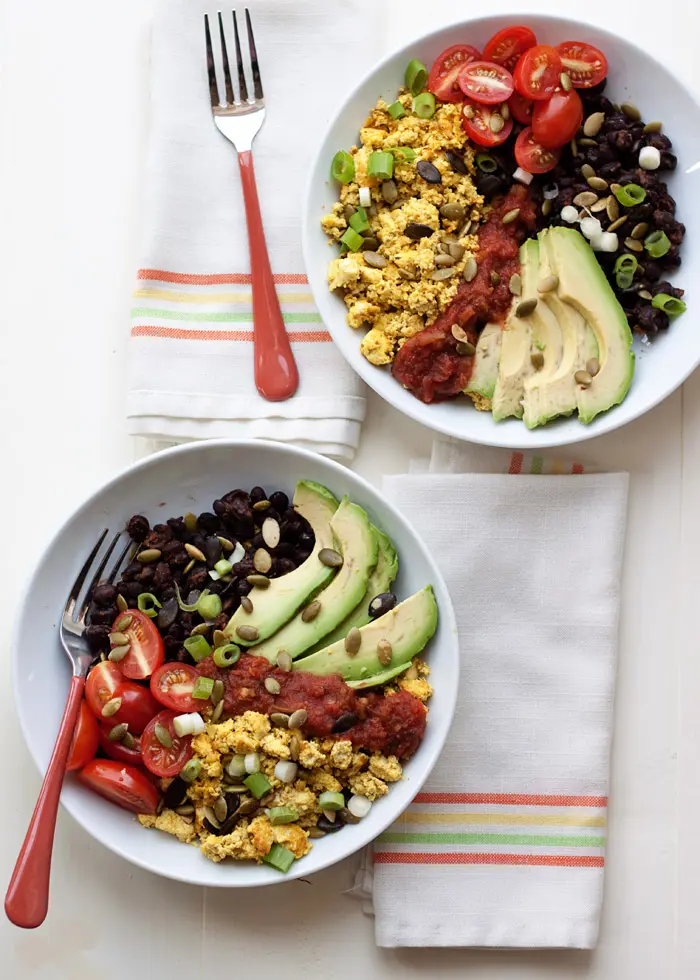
(70, 176)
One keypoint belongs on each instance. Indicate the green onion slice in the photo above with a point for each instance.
(406, 153)
(209, 606)
(626, 263)
(183, 605)
(424, 105)
(657, 244)
(190, 770)
(396, 110)
(624, 279)
(280, 858)
(352, 240)
(669, 304)
(343, 167)
(380, 164)
(359, 222)
(282, 814)
(227, 655)
(331, 801)
(223, 567)
(197, 647)
(258, 784)
(486, 163)
(416, 76)
(630, 195)
(203, 687)
(148, 604)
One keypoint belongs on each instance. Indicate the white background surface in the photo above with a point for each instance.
(73, 122)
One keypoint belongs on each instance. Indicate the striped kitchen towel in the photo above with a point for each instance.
(505, 845)
(191, 351)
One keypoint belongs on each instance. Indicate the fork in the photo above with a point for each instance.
(27, 899)
(240, 121)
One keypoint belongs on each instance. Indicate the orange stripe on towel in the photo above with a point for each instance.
(233, 278)
(557, 860)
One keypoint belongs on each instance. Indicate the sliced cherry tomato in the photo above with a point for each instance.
(533, 157)
(162, 760)
(537, 73)
(557, 120)
(117, 751)
(506, 46)
(172, 685)
(521, 108)
(138, 707)
(124, 785)
(584, 64)
(442, 81)
(146, 646)
(476, 120)
(104, 682)
(85, 739)
(486, 82)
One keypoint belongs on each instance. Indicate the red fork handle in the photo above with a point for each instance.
(27, 899)
(276, 375)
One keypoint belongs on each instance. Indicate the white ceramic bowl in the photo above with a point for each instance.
(188, 478)
(634, 76)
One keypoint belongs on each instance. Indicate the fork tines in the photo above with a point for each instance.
(254, 67)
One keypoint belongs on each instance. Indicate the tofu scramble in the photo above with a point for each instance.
(400, 283)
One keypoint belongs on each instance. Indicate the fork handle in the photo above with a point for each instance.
(27, 899)
(276, 374)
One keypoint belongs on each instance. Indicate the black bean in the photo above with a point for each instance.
(652, 270)
(280, 501)
(97, 637)
(243, 587)
(198, 578)
(101, 616)
(257, 494)
(158, 537)
(167, 614)
(258, 541)
(488, 185)
(174, 553)
(456, 162)
(212, 550)
(242, 568)
(236, 495)
(175, 794)
(669, 161)
(177, 526)
(621, 140)
(138, 527)
(290, 531)
(231, 604)
(610, 170)
(208, 523)
(306, 541)
(342, 724)
(615, 121)
(163, 577)
(329, 826)
(219, 508)
(221, 621)
(104, 594)
(285, 549)
(147, 575)
(666, 287)
(381, 604)
(651, 320)
(283, 566)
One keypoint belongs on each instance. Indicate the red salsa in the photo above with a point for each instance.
(391, 723)
(429, 364)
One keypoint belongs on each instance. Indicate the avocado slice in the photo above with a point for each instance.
(379, 581)
(482, 382)
(583, 285)
(358, 545)
(275, 605)
(408, 627)
(519, 333)
(377, 679)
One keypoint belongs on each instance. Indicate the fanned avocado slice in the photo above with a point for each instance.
(356, 542)
(407, 627)
(377, 679)
(275, 605)
(482, 382)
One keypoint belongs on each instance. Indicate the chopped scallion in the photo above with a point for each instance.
(197, 647)
(626, 263)
(657, 244)
(351, 240)
(486, 163)
(380, 164)
(148, 604)
(203, 688)
(343, 167)
(282, 814)
(416, 76)
(396, 110)
(331, 801)
(192, 607)
(190, 770)
(280, 858)
(359, 222)
(623, 279)
(630, 195)
(258, 784)
(223, 567)
(209, 606)
(424, 105)
(406, 153)
(227, 655)
(669, 304)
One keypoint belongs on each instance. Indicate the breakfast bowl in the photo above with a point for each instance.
(661, 362)
(178, 482)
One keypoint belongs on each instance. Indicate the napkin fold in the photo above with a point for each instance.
(505, 845)
(191, 351)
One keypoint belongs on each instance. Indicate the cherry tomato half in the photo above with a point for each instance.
(122, 784)
(162, 760)
(521, 108)
(533, 157)
(146, 646)
(138, 707)
(85, 739)
(557, 120)
(172, 685)
(117, 751)
(584, 64)
(104, 682)
(486, 82)
(442, 81)
(506, 46)
(476, 120)
(537, 73)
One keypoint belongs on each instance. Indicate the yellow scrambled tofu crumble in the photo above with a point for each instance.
(324, 764)
(407, 293)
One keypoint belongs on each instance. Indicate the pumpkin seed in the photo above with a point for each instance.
(496, 123)
(587, 171)
(122, 604)
(298, 718)
(510, 216)
(353, 641)
(246, 604)
(370, 244)
(537, 359)
(444, 248)
(384, 652)
(505, 111)
(200, 629)
(272, 686)
(597, 183)
(225, 543)
(329, 815)
(311, 611)
(441, 274)
(470, 269)
(189, 566)
(574, 148)
(547, 284)
(294, 748)
(261, 505)
(111, 708)
(415, 230)
(163, 736)
(247, 806)
(271, 532)
(645, 294)
(615, 188)
(631, 111)
(444, 261)
(640, 230)
(593, 124)
(259, 581)
(407, 274)
(429, 172)
(593, 366)
(185, 810)
(495, 278)
(515, 284)
(118, 639)
(190, 521)
(249, 633)
(390, 191)
(466, 349)
(347, 817)
(128, 741)
(618, 223)
(467, 228)
(262, 561)
(211, 817)
(526, 307)
(195, 553)
(331, 558)
(374, 260)
(634, 244)
(217, 692)
(653, 127)
(117, 733)
(612, 207)
(456, 250)
(600, 205)
(452, 211)
(118, 653)
(284, 660)
(217, 712)
(585, 199)
(149, 555)
(219, 639)
(547, 207)
(279, 719)
(315, 833)
(459, 333)
(565, 82)
(583, 378)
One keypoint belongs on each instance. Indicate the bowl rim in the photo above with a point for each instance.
(547, 434)
(449, 672)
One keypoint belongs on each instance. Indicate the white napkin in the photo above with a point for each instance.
(518, 798)
(191, 364)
